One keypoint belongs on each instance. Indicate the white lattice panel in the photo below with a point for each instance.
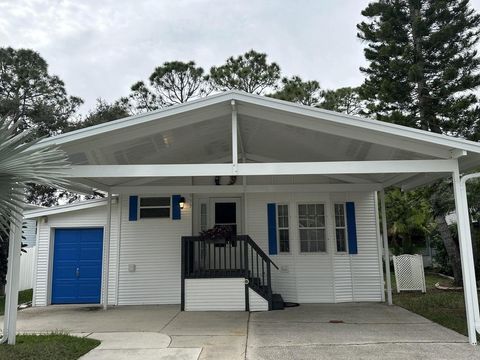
(409, 273)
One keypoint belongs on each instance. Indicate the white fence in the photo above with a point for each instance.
(409, 273)
(27, 261)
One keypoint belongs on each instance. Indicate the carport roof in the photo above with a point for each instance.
(269, 131)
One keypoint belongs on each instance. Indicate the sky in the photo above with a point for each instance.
(101, 47)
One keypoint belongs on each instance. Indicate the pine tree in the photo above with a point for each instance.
(423, 65)
(422, 72)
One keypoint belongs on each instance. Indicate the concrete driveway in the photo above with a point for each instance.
(339, 331)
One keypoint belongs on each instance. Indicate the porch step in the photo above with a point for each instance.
(277, 302)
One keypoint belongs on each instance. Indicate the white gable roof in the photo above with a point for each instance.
(270, 130)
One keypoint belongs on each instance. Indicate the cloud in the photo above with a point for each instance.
(99, 48)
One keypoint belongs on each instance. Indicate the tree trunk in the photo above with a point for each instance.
(451, 247)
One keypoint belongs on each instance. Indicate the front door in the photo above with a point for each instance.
(226, 212)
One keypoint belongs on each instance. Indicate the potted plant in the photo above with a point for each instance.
(219, 235)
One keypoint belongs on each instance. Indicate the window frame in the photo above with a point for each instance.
(278, 228)
(140, 207)
(324, 228)
(335, 227)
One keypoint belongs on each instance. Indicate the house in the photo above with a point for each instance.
(298, 187)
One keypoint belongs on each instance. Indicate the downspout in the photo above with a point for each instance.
(468, 243)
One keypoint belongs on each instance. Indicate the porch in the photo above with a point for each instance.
(368, 330)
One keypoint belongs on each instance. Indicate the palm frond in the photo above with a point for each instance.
(20, 165)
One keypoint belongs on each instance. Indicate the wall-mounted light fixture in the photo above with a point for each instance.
(182, 202)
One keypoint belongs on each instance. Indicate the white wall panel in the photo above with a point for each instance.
(153, 246)
(320, 277)
(256, 302)
(223, 294)
(92, 217)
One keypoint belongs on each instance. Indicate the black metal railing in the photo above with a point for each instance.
(238, 256)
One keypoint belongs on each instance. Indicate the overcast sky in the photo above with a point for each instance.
(101, 47)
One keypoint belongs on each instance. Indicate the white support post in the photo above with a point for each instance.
(386, 253)
(13, 278)
(466, 255)
(106, 251)
(234, 138)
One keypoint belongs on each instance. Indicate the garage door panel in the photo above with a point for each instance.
(90, 271)
(90, 253)
(65, 272)
(77, 265)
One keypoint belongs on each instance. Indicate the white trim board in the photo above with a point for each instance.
(32, 214)
(252, 169)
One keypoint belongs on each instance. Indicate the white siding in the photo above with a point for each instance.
(256, 302)
(93, 217)
(153, 246)
(366, 270)
(215, 294)
(321, 278)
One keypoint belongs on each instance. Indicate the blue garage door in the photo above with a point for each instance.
(77, 266)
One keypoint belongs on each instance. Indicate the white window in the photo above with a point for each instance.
(154, 207)
(311, 223)
(283, 231)
(340, 228)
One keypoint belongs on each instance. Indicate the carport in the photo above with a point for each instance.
(352, 152)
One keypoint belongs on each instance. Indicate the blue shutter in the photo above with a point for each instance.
(176, 211)
(351, 228)
(272, 229)
(133, 208)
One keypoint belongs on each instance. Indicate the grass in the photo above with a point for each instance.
(446, 308)
(23, 297)
(55, 346)
(47, 347)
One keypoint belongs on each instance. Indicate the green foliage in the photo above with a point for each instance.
(172, 83)
(249, 72)
(30, 96)
(423, 64)
(103, 112)
(177, 82)
(409, 220)
(345, 100)
(299, 91)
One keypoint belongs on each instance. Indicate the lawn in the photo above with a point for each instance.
(23, 297)
(47, 347)
(444, 307)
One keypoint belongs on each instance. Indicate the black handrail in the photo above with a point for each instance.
(259, 250)
(239, 256)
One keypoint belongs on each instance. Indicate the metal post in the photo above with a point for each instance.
(234, 138)
(386, 253)
(466, 255)
(13, 273)
(106, 249)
